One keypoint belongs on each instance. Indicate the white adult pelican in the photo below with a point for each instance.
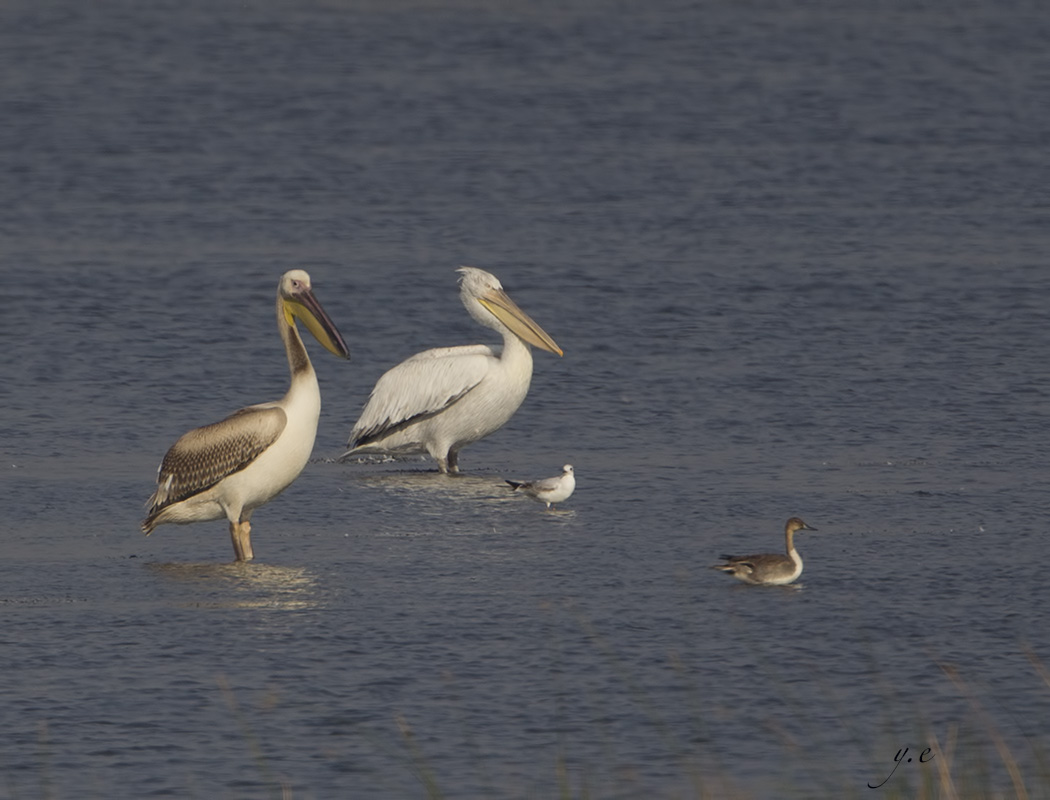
(232, 467)
(770, 569)
(441, 400)
(549, 490)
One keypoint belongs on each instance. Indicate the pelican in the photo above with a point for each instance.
(230, 468)
(441, 400)
(549, 490)
(770, 569)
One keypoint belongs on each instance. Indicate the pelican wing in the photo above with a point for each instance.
(420, 387)
(204, 456)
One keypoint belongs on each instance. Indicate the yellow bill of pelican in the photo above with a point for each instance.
(230, 468)
(521, 324)
(305, 307)
(441, 400)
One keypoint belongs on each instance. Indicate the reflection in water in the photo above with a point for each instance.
(424, 503)
(786, 590)
(43, 600)
(488, 488)
(243, 585)
(435, 494)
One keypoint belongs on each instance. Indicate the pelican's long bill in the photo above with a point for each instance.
(522, 325)
(302, 304)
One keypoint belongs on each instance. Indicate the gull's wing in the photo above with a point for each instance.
(545, 485)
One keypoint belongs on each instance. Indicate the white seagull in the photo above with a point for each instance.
(441, 400)
(770, 569)
(228, 469)
(549, 490)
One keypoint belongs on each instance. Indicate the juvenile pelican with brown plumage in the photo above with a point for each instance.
(230, 468)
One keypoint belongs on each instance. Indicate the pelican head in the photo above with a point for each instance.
(298, 302)
(485, 300)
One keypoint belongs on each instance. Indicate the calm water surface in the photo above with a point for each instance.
(796, 258)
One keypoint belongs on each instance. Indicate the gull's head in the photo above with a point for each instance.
(298, 302)
(487, 302)
(567, 469)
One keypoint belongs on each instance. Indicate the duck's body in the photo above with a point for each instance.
(441, 400)
(549, 490)
(230, 468)
(769, 569)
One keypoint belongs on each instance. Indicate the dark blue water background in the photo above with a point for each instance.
(796, 257)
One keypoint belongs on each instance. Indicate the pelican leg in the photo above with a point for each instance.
(452, 461)
(241, 533)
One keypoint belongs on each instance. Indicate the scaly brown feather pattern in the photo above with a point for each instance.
(204, 456)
